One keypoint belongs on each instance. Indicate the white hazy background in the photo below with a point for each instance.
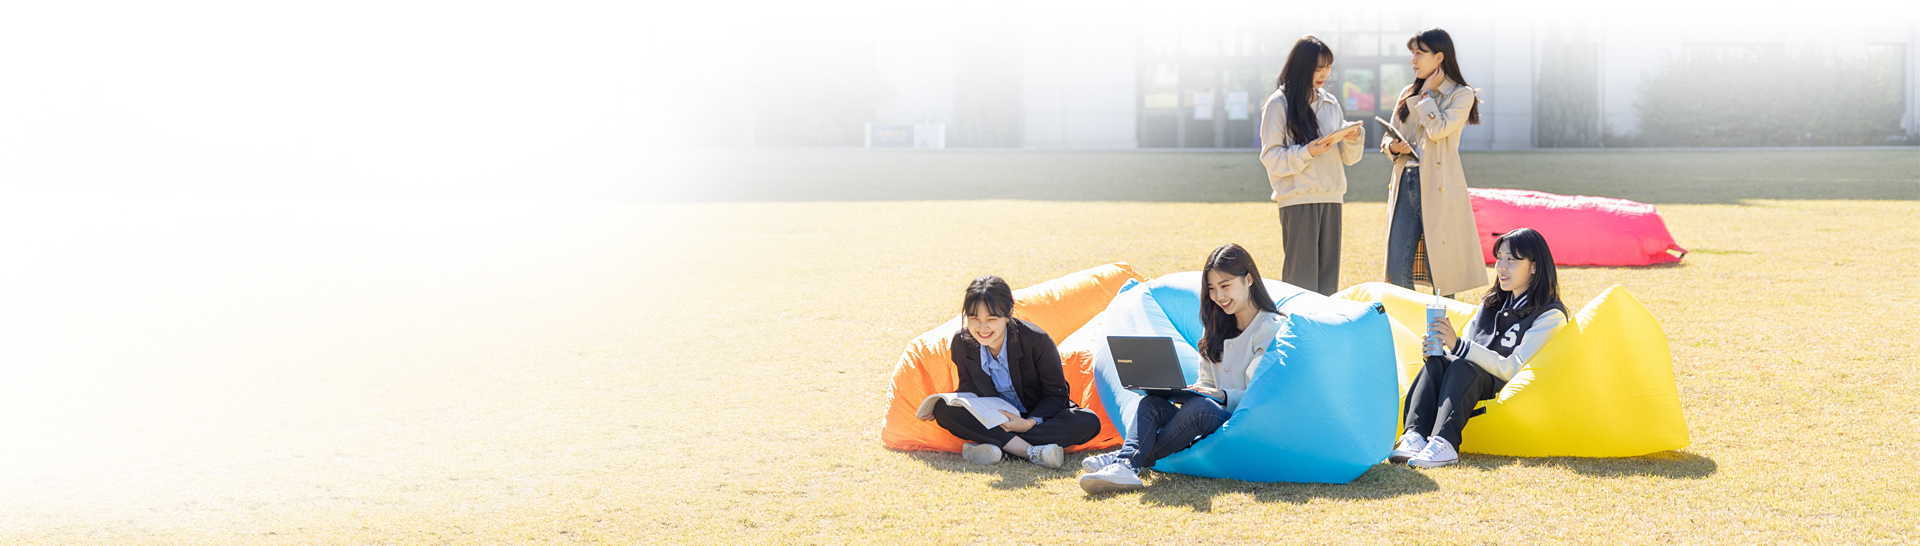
(509, 99)
(374, 98)
(381, 99)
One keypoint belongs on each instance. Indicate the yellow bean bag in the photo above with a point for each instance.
(1602, 387)
(1059, 307)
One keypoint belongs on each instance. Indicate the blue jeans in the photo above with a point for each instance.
(1404, 230)
(1160, 429)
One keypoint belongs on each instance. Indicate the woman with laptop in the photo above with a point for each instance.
(1240, 321)
(1430, 232)
(1000, 357)
(1514, 321)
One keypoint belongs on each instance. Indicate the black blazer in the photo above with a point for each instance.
(1033, 363)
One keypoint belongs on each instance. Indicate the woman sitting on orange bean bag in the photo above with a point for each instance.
(998, 356)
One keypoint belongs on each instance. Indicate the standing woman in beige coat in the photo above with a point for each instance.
(1430, 234)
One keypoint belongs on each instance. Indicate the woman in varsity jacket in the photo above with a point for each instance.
(1515, 320)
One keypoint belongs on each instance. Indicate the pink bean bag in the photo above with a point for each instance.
(1581, 229)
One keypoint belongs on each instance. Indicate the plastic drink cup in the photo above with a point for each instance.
(1435, 310)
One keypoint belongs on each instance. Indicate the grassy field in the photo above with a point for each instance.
(712, 367)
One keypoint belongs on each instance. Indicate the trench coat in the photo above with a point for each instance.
(1453, 248)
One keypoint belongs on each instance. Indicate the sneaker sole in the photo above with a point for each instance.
(1431, 464)
(1052, 458)
(1397, 458)
(1098, 487)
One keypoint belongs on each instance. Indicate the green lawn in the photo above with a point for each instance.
(1723, 177)
(713, 368)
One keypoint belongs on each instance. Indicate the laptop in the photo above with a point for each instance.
(1148, 364)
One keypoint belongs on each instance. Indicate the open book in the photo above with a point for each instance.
(1330, 136)
(987, 410)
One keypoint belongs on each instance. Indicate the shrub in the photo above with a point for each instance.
(1759, 95)
(1567, 108)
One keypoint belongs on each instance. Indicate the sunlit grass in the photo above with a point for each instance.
(630, 372)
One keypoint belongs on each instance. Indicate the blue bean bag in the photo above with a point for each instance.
(1321, 407)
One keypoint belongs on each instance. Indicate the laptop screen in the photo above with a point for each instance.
(1146, 362)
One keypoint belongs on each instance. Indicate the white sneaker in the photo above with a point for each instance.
(980, 453)
(1050, 455)
(1438, 453)
(1097, 462)
(1112, 478)
(1410, 445)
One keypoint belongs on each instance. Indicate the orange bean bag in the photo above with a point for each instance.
(1059, 307)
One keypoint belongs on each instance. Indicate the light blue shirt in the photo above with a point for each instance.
(996, 368)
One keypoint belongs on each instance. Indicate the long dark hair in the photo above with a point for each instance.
(1297, 78)
(1220, 326)
(1544, 289)
(991, 291)
(1437, 41)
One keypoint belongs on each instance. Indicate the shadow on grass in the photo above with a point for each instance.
(1384, 481)
(1673, 465)
(1381, 481)
(1012, 473)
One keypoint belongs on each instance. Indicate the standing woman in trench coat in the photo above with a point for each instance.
(1430, 233)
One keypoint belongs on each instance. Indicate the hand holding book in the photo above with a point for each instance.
(1400, 144)
(1347, 131)
(1015, 423)
(991, 412)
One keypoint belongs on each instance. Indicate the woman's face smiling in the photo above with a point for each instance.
(987, 329)
(1515, 273)
(1228, 291)
(1321, 74)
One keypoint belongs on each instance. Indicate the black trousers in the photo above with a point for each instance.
(1310, 237)
(1444, 394)
(1070, 427)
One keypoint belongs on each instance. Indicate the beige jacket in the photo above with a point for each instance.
(1240, 357)
(1298, 178)
(1434, 121)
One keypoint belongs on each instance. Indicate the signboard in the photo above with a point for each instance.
(890, 135)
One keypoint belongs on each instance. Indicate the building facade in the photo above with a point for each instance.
(1162, 78)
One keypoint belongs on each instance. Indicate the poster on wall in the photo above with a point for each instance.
(1202, 105)
(1236, 105)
